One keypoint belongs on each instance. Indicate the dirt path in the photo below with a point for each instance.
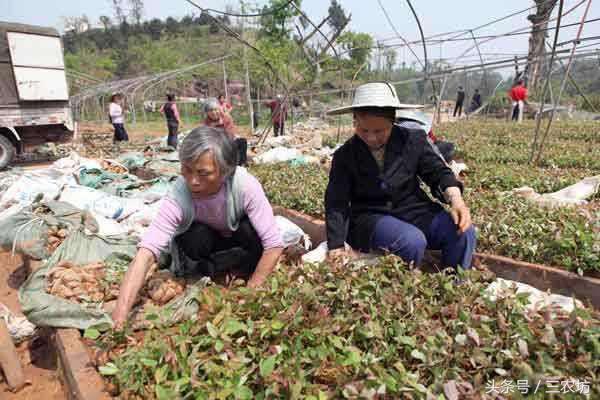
(37, 356)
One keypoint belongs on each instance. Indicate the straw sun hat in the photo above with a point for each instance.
(374, 94)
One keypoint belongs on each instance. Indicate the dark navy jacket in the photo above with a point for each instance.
(358, 194)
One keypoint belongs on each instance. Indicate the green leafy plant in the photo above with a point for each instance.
(380, 331)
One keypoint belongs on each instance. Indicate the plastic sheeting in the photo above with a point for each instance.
(40, 185)
(537, 299)
(291, 233)
(19, 328)
(132, 160)
(26, 232)
(278, 154)
(570, 196)
(99, 202)
(43, 309)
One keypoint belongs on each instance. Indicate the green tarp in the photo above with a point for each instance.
(27, 231)
(44, 309)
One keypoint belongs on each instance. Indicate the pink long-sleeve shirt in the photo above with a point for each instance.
(212, 212)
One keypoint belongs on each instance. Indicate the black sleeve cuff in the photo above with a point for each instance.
(450, 181)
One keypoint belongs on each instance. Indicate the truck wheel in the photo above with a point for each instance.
(7, 151)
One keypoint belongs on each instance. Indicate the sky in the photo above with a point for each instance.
(436, 17)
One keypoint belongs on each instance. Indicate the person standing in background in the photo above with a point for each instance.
(475, 101)
(225, 105)
(518, 95)
(169, 110)
(460, 99)
(116, 114)
(278, 114)
(217, 118)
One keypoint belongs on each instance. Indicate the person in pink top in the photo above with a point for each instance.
(217, 118)
(195, 220)
(225, 105)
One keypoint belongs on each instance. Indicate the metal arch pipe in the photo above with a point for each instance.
(424, 49)
(161, 77)
(340, 69)
(124, 86)
(256, 50)
(487, 106)
(389, 20)
(175, 74)
(490, 66)
(538, 121)
(516, 30)
(480, 56)
(564, 81)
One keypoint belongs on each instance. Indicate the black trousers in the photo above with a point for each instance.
(217, 253)
(172, 138)
(120, 133)
(242, 146)
(278, 128)
(458, 108)
(515, 112)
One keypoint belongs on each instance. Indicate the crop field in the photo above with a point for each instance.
(497, 156)
(383, 331)
(92, 315)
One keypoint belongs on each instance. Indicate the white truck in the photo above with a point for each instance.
(34, 95)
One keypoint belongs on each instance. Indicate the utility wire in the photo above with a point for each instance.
(464, 31)
(389, 20)
(490, 37)
(261, 14)
(520, 29)
(564, 81)
(579, 40)
(462, 69)
(244, 42)
(538, 121)
(426, 68)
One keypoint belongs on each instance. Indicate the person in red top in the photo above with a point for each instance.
(279, 110)
(518, 95)
(225, 105)
(217, 118)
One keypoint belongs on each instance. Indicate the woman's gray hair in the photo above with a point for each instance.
(204, 139)
(211, 104)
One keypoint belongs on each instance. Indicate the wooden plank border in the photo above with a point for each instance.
(78, 373)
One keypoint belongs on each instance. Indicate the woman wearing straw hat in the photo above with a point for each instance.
(374, 200)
